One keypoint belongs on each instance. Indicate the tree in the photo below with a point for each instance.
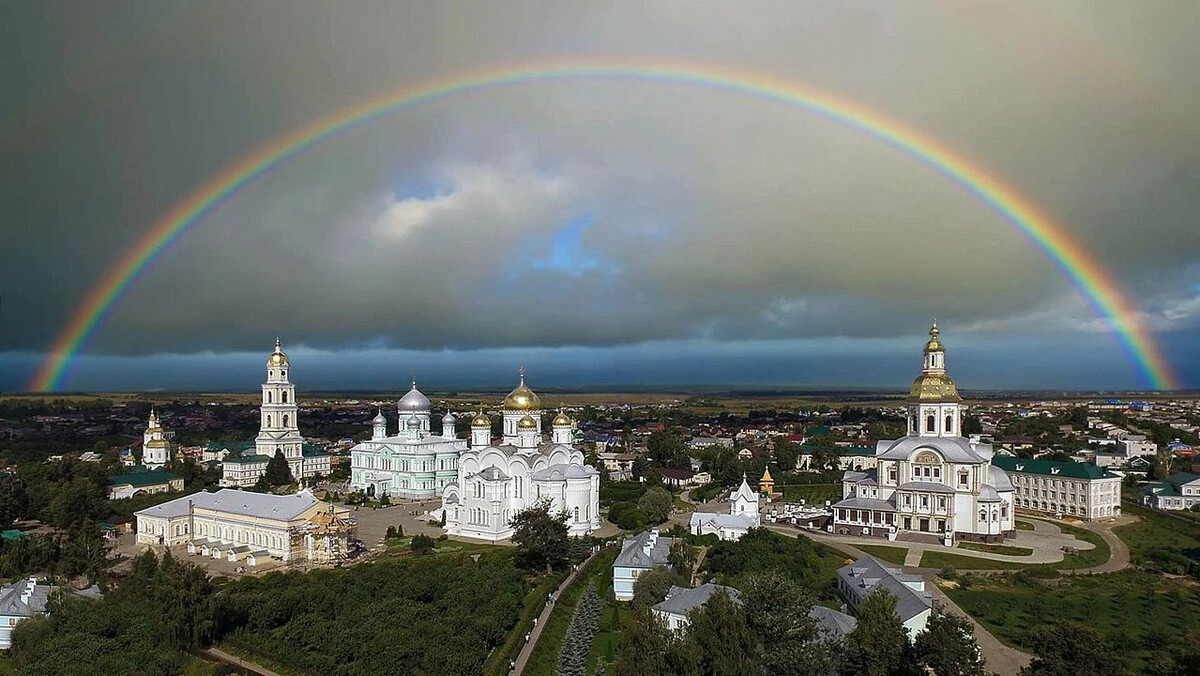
(652, 586)
(278, 473)
(421, 544)
(786, 455)
(572, 659)
(85, 551)
(972, 425)
(1071, 649)
(14, 504)
(947, 647)
(656, 504)
(824, 455)
(540, 537)
(645, 646)
(668, 449)
(789, 638)
(720, 639)
(878, 645)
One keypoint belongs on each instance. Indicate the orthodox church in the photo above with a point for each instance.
(279, 430)
(743, 515)
(497, 479)
(156, 443)
(933, 480)
(413, 462)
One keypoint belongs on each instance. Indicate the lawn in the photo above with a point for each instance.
(933, 559)
(544, 660)
(890, 554)
(1161, 542)
(1024, 525)
(1136, 610)
(810, 493)
(1007, 550)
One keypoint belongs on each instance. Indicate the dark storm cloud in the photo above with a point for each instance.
(710, 216)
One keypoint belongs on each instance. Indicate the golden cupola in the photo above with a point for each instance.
(277, 358)
(522, 398)
(527, 423)
(481, 420)
(934, 384)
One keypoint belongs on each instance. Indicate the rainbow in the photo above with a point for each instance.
(1094, 283)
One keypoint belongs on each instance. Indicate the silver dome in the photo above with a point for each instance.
(414, 401)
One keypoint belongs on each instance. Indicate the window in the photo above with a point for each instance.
(284, 396)
(924, 502)
(268, 396)
(949, 423)
(930, 424)
(285, 420)
(268, 421)
(963, 479)
(892, 474)
(577, 514)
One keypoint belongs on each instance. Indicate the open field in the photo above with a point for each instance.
(1137, 611)
(810, 493)
(1160, 541)
(1007, 550)
(884, 552)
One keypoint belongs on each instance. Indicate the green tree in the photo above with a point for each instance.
(646, 646)
(1071, 649)
(786, 455)
(656, 504)
(14, 503)
(789, 640)
(720, 639)
(421, 544)
(878, 645)
(540, 537)
(278, 473)
(85, 551)
(652, 586)
(667, 449)
(947, 646)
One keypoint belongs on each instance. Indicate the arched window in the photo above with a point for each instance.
(930, 424)
(268, 421)
(577, 514)
(285, 420)
(284, 396)
(268, 396)
(949, 423)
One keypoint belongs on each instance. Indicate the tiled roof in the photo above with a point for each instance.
(681, 600)
(245, 503)
(633, 551)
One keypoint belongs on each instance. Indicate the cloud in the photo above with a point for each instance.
(591, 212)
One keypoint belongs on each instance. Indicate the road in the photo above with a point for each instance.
(236, 661)
(536, 633)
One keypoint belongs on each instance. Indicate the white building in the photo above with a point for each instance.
(674, 609)
(914, 605)
(742, 516)
(1063, 488)
(156, 443)
(260, 524)
(640, 553)
(413, 463)
(934, 480)
(496, 481)
(140, 481)
(20, 600)
(279, 430)
(1178, 491)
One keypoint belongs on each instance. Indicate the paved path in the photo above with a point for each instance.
(1119, 557)
(540, 624)
(236, 661)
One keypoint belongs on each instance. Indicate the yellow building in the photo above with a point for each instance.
(766, 484)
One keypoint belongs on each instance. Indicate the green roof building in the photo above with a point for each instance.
(1063, 489)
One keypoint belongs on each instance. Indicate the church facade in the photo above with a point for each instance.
(494, 480)
(156, 443)
(413, 463)
(933, 480)
(279, 430)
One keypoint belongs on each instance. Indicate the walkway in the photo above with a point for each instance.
(236, 661)
(540, 623)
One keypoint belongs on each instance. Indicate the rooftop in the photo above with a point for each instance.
(1073, 470)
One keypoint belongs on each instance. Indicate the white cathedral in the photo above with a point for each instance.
(496, 480)
(482, 484)
(933, 480)
(156, 443)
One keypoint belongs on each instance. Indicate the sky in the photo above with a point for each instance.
(600, 232)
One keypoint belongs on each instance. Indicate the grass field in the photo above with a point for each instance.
(932, 559)
(1139, 612)
(1160, 541)
(544, 660)
(1024, 525)
(1007, 550)
(890, 554)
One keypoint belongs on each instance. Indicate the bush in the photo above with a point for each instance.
(421, 544)
(627, 516)
(948, 573)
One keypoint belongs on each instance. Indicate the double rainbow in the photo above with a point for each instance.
(1094, 283)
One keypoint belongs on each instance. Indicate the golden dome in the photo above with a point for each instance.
(561, 420)
(527, 423)
(934, 387)
(277, 358)
(934, 345)
(481, 420)
(522, 398)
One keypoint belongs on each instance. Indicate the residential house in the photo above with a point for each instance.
(642, 552)
(680, 601)
(913, 604)
(19, 601)
(1178, 491)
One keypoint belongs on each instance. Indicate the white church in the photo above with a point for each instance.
(743, 515)
(412, 463)
(496, 479)
(933, 480)
(156, 443)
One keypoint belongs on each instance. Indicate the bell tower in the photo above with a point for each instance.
(934, 405)
(279, 425)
